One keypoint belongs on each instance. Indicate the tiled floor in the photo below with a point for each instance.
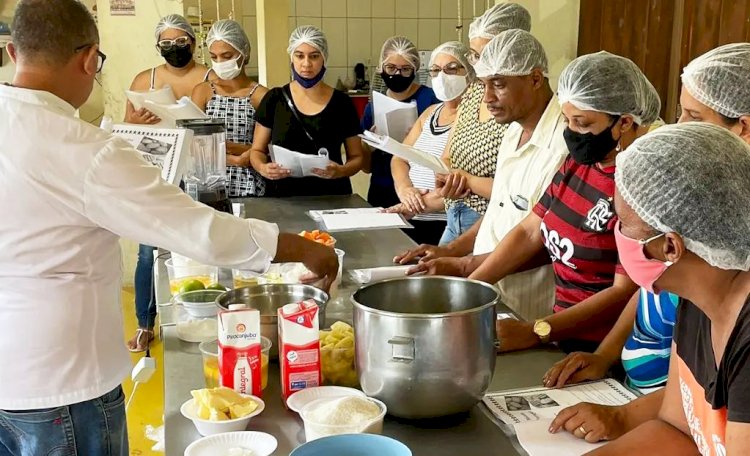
(147, 407)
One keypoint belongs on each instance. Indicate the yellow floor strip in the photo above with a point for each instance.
(147, 407)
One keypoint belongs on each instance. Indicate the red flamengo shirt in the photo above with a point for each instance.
(578, 220)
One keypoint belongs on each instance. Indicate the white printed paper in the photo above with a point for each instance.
(392, 117)
(168, 149)
(514, 407)
(184, 108)
(317, 215)
(161, 96)
(301, 165)
(405, 152)
(354, 222)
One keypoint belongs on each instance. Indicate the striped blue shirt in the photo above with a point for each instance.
(646, 352)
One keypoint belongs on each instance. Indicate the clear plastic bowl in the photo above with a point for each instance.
(210, 353)
(184, 270)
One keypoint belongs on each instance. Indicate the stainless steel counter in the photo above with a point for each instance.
(467, 435)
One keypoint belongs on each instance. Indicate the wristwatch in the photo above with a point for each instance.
(542, 329)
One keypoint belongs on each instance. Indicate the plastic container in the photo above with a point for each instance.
(194, 314)
(260, 443)
(242, 278)
(359, 444)
(315, 430)
(300, 399)
(206, 427)
(210, 352)
(182, 270)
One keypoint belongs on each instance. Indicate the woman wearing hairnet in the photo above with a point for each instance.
(608, 103)
(230, 95)
(399, 62)
(682, 194)
(175, 41)
(451, 74)
(310, 117)
(472, 147)
(718, 78)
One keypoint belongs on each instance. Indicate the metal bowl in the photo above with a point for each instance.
(425, 345)
(268, 299)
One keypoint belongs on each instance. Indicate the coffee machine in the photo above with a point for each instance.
(205, 174)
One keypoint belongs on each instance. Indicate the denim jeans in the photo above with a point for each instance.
(145, 301)
(460, 218)
(95, 427)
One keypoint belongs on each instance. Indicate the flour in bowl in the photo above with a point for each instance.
(350, 410)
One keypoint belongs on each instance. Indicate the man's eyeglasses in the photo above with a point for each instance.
(452, 68)
(181, 42)
(390, 70)
(101, 57)
(472, 56)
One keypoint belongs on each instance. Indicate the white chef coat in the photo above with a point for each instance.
(522, 176)
(68, 191)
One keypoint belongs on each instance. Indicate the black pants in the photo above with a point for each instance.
(426, 231)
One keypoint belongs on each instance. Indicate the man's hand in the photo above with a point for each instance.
(454, 185)
(515, 335)
(424, 252)
(442, 266)
(318, 258)
(399, 208)
(575, 368)
(591, 422)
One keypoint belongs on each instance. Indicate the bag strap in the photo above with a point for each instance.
(296, 116)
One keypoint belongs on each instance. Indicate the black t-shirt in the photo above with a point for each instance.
(711, 396)
(329, 128)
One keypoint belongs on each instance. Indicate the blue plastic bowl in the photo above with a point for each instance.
(353, 445)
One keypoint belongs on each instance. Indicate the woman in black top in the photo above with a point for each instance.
(305, 116)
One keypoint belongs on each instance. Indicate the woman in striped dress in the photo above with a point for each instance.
(451, 74)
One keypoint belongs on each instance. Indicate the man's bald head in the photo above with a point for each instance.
(50, 31)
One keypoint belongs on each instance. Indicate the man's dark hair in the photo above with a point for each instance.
(50, 31)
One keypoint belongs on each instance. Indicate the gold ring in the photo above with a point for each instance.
(583, 431)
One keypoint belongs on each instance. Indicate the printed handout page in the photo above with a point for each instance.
(163, 96)
(408, 153)
(301, 165)
(392, 117)
(358, 222)
(317, 215)
(537, 441)
(184, 108)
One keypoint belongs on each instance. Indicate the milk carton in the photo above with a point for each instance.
(299, 347)
(240, 349)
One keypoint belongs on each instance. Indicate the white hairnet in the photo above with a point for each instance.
(308, 34)
(693, 179)
(499, 18)
(399, 45)
(230, 32)
(174, 21)
(511, 53)
(458, 51)
(609, 83)
(720, 79)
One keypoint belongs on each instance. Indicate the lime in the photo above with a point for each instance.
(216, 286)
(192, 285)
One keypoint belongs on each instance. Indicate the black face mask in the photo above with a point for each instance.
(396, 82)
(589, 148)
(178, 57)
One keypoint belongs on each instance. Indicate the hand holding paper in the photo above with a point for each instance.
(299, 164)
(408, 153)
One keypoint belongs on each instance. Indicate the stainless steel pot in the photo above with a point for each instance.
(268, 299)
(425, 345)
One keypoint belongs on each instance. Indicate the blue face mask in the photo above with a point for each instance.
(308, 83)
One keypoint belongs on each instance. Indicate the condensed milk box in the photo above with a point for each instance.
(240, 349)
(299, 347)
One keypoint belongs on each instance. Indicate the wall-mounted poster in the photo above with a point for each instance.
(122, 7)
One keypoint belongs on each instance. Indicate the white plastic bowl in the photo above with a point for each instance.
(301, 398)
(260, 443)
(315, 430)
(206, 427)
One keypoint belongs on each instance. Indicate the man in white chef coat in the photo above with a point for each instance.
(68, 191)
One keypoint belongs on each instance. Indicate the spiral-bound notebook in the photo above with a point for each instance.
(169, 149)
(528, 412)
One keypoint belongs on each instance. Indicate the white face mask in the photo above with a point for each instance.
(448, 86)
(228, 69)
